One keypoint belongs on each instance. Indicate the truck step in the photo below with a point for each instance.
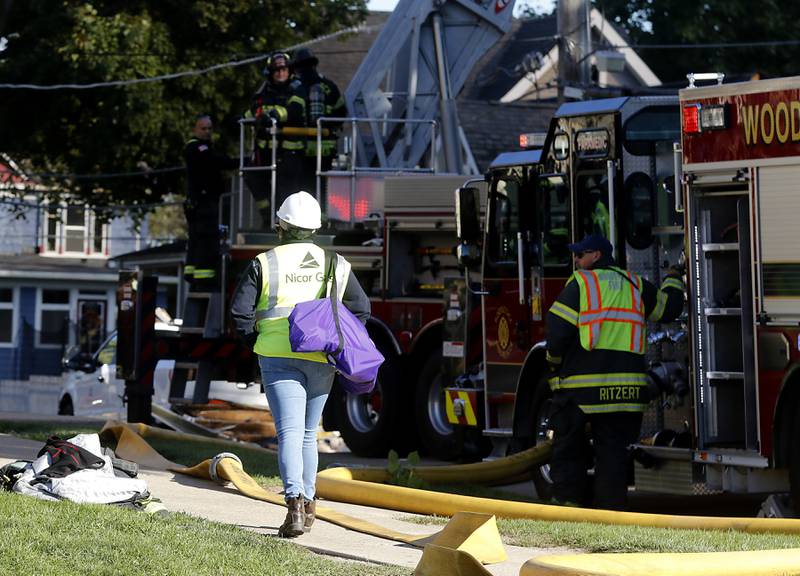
(192, 330)
(498, 432)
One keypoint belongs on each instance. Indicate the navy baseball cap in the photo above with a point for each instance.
(592, 242)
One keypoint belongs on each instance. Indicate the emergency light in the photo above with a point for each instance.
(698, 118)
(532, 140)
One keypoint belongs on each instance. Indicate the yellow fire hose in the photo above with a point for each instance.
(760, 563)
(362, 486)
(357, 486)
(473, 535)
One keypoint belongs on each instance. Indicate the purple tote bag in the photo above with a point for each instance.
(324, 325)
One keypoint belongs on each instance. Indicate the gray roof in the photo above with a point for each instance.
(492, 128)
(503, 66)
(340, 57)
(50, 268)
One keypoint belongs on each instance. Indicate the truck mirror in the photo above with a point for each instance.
(640, 212)
(468, 215)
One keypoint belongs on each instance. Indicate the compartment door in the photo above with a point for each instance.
(778, 204)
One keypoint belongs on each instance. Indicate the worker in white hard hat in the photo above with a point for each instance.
(296, 384)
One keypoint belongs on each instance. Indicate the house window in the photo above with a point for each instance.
(53, 321)
(8, 320)
(74, 230)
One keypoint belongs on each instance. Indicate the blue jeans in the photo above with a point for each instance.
(296, 391)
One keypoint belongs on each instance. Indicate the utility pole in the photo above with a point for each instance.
(574, 46)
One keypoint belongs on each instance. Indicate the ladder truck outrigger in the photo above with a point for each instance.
(389, 206)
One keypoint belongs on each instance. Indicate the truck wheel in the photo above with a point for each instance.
(364, 420)
(438, 438)
(540, 410)
(65, 407)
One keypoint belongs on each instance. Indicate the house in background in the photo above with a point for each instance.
(524, 65)
(57, 289)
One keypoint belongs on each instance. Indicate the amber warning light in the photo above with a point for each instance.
(698, 118)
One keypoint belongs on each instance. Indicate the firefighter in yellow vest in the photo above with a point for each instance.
(296, 384)
(595, 345)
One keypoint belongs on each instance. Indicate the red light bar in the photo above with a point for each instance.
(691, 119)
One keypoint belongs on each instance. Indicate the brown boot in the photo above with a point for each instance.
(311, 514)
(295, 519)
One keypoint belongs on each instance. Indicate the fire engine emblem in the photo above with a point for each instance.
(503, 320)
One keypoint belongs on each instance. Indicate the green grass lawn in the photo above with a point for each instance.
(36, 430)
(57, 538)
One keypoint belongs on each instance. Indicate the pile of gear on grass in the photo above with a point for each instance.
(82, 471)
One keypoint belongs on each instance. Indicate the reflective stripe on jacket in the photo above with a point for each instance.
(601, 393)
(291, 273)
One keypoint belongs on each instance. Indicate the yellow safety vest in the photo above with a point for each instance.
(290, 274)
(611, 313)
(610, 317)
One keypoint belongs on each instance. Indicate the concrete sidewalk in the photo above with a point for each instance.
(205, 499)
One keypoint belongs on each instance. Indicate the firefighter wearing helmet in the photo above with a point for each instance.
(282, 99)
(324, 100)
(296, 384)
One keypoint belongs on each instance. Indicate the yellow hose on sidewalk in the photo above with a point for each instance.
(471, 539)
(473, 534)
(754, 563)
(361, 486)
(339, 484)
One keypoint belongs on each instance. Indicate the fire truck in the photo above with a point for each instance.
(388, 200)
(606, 167)
(740, 165)
(708, 179)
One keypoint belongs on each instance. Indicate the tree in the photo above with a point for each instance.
(711, 22)
(125, 129)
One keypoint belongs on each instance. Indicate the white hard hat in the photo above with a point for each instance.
(301, 210)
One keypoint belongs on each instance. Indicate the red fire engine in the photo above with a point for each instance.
(741, 162)
(606, 167)
(726, 375)
(388, 199)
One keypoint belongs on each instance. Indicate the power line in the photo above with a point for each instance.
(93, 207)
(149, 80)
(761, 44)
(765, 43)
(103, 176)
(174, 75)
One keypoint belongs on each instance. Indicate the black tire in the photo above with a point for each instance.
(365, 420)
(438, 438)
(65, 407)
(540, 410)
